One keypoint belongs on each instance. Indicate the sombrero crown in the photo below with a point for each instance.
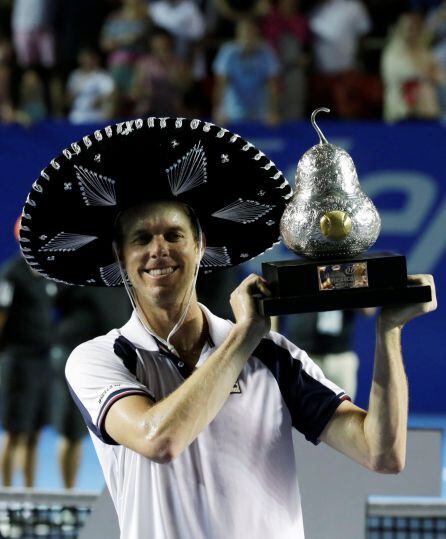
(68, 220)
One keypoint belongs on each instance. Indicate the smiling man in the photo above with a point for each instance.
(192, 415)
(163, 276)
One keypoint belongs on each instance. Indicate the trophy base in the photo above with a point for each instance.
(370, 280)
(271, 306)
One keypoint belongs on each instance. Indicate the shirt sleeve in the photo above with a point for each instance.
(97, 378)
(222, 61)
(311, 398)
(106, 84)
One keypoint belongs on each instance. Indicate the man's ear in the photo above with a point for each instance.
(118, 254)
(203, 245)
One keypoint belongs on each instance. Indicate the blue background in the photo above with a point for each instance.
(401, 167)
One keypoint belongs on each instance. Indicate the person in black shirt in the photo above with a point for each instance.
(83, 314)
(26, 324)
(327, 337)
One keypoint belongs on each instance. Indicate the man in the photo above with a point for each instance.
(26, 325)
(190, 414)
(89, 90)
(246, 83)
(337, 27)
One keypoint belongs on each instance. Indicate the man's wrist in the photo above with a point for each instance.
(384, 326)
(249, 332)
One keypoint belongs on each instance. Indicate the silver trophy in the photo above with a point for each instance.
(329, 215)
(330, 222)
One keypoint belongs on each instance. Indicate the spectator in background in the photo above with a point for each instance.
(123, 38)
(26, 325)
(31, 106)
(6, 76)
(436, 28)
(84, 313)
(90, 90)
(337, 26)
(5, 50)
(78, 24)
(181, 18)
(410, 73)
(6, 106)
(286, 29)
(33, 33)
(186, 23)
(246, 82)
(327, 337)
(161, 79)
(229, 12)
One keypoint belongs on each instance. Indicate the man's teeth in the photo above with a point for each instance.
(162, 271)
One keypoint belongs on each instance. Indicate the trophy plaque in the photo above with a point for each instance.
(330, 223)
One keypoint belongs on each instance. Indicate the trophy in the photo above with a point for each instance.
(330, 223)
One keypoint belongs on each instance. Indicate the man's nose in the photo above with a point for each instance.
(158, 247)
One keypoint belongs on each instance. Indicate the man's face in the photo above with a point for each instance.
(247, 35)
(88, 60)
(161, 46)
(159, 252)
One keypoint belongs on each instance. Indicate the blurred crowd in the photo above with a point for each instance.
(228, 60)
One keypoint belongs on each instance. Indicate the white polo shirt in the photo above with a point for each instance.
(238, 478)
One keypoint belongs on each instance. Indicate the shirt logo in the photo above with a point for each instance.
(107, 390)
(236, 388)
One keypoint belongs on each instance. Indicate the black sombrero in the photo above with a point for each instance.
(236, 192)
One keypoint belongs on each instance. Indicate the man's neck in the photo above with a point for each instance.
(190, 336)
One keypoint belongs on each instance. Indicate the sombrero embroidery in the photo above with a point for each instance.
(68, 220)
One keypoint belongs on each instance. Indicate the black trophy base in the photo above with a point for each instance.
(370, 280)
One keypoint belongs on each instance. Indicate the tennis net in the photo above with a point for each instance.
(406, 518)
(34, 514)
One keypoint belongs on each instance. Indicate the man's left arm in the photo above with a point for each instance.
(377, 438)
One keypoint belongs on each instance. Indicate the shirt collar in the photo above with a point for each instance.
(218, 327)
(136, 333)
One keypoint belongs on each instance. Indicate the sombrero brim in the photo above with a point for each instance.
(68, 220)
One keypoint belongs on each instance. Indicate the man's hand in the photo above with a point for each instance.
(244, 307)
(397, 317)
(161, 431)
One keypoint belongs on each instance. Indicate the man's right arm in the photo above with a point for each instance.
(163, 430)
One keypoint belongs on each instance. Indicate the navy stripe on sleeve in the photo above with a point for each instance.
(311, 403)
(108, 403)
(99, 429)
(88, 421)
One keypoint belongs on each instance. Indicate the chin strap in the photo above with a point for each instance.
(135, 304)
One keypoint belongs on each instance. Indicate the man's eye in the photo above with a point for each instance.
(174, 236)
(142, 239)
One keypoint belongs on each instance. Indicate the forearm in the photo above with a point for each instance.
(385, 425)
(174, 422)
